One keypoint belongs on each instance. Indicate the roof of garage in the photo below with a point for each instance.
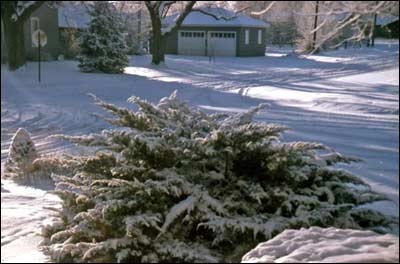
(196, 18)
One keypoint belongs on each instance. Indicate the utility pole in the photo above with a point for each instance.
(315, 24)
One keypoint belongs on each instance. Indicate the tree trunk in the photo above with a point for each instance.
(159, 40)
(374, 28)
(158, 47)
(14, 40)
(315, 25)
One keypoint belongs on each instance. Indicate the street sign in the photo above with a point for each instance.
(39, 36)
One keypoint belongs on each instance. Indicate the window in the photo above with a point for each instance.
(220, 35)
(259, 39)
(193, 34)
(246, 36)
(34, 26)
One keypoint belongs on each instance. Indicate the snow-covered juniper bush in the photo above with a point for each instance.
(173, 184)
(103, 45)
(21, 155)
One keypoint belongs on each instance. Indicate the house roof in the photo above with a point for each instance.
(73, 16)
(200, 19)
(384, 20)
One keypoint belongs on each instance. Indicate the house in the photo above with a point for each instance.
(202, 34)
(63, 25)
(44, 18)
(73, 19)
(54, 21)
(387, 27)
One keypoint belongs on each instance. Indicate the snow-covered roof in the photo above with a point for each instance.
(384, 20)
(73, 16)
(196, 18)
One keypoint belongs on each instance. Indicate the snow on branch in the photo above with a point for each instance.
(190, 187)
(259, 13)
(22, 6)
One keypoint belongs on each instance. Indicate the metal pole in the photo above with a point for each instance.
(39, 56)
(315, 24)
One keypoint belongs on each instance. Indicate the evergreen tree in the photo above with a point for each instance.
(103, 46)
(21, 155)
(26, 166)
(178, 185)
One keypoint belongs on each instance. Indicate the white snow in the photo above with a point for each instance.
(23, 211)
(346, 99)
(21, 7)
(326, 245)
(226, 18)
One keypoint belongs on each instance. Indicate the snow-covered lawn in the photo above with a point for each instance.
(347, 99)
(326, 245)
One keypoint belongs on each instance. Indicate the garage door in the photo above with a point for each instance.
(221, 43)
(192, 43)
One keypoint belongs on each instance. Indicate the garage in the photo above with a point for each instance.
(221, 43)
(223, 33)
(192, 43)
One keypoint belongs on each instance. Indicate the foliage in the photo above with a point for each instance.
(21, 155)
(103, 46)
(177, 185)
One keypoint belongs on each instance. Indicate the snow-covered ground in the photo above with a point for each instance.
(326, 245)
(347, 99)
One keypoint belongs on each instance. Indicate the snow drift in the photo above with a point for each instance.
(327, 245)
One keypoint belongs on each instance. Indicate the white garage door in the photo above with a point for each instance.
(221, 43)
(192, 43)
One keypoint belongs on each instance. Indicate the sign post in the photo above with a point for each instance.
(39, 39)
(39, 58)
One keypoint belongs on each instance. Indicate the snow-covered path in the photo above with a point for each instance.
(347, 99)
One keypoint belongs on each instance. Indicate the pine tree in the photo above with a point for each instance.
(26, 166)
(103, 46)
(21, 155)
(173, 184)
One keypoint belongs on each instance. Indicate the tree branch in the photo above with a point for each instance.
(182, 16)
(29, 10)
(214, 15)
(265, 10)
(150, 7)
(166, 7)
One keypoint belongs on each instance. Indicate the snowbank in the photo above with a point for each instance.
(327, 245)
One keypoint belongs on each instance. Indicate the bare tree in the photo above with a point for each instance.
(158, 10)
(14, 14)
(339, 22)
(329, 26)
